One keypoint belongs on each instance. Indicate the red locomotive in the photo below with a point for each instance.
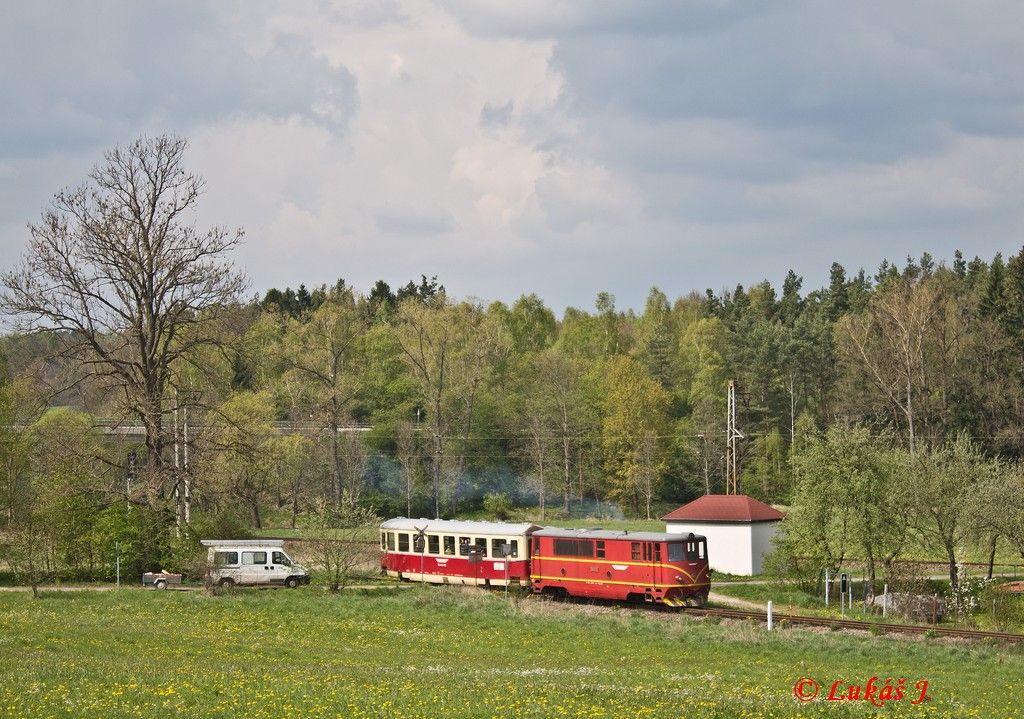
(669, 569)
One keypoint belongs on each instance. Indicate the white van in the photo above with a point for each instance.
(252, 562)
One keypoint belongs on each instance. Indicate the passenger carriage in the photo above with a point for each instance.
(669, 569)
(454, 552)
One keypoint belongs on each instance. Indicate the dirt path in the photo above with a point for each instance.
(734, 602)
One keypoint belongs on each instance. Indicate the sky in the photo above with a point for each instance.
(542, 146)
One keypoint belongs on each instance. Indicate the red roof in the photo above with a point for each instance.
(725, 508)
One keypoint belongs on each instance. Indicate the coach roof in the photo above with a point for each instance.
(612, 534)
(455, 526)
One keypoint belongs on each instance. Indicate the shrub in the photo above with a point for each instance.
(498, 505)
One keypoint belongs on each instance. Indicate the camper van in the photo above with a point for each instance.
(252, 562)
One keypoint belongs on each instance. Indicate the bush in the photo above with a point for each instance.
(498, 505)
(1005, 608)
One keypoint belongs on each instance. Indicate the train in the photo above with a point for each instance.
(654, 568)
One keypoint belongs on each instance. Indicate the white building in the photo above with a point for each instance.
(739, 530)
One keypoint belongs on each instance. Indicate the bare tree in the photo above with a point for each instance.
(338, 543)
(118, 271)
(322, 354)
(425, 335)
(408, 455)
(888, 343)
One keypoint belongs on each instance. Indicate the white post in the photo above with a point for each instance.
(885, 601)
(826, 587)
(770, 615)
(117, 563)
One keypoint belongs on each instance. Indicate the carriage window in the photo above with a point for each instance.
(675, 552)
(391, 541)
(480, 545)
(449, 545)
(383, 541)
(254, 557)
(223, 559)
(464, 546)
(600, 548)
(496, 548)
(657, 552)
(434, 544)
(418, 543)
(515, 548)
(403, 542)
(636, 551)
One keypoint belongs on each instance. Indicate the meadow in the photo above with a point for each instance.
(447, 652)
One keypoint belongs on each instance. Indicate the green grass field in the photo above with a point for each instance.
(445, 652)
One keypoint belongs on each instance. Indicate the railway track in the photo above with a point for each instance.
(857, 624)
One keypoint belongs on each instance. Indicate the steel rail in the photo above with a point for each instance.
(857, 624)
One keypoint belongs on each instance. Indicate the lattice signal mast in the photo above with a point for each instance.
(732, 434)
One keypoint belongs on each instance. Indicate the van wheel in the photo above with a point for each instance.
(291, 582)
(160, 584)
(226, 582)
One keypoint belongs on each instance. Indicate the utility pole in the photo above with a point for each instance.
(177, 467)
(188, 479)
(731, 435)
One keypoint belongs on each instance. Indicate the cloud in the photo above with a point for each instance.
(554, 147)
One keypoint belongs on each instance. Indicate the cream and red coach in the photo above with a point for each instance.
(667, 569)
(447, 551)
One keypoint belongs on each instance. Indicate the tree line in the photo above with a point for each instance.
(416, 402)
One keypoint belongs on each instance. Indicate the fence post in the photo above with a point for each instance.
(769, 615)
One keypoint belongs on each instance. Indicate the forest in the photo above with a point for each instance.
(149, 395)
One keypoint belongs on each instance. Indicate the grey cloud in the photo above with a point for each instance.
(403, 219)
(81, 75)
(560, 19)
(496, 115)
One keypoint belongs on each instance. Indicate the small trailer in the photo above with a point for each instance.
(160, 580)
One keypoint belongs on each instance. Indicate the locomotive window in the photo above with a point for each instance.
(434, 544)
(647, 551)
(691, 551)
(418, 543)
(675, 552)
(574, 547)
(600, 548)
(391, 541)
(636, 551)
(657, 552)
(464, 546)
(565, 548)
(403, 542)
(449, 544)
(702, 549)
(536, 545)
